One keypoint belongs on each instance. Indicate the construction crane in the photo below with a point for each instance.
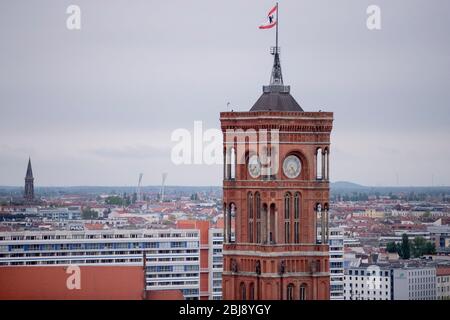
(164, 177)
(139, 193)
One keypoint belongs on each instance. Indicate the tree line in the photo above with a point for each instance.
(411, 249)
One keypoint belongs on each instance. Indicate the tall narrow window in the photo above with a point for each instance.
(243, 291)
(250, 216)
(233, 163)
(225, 164)
(229, 223)
(271, 224)
(251, 292)
(228, 151)
(231, 219)
(258, 217)
(319, 161)
(297, 208)
(225, 223)
(302, 292)
(290, 292)
(319, 224)
(325, 220)
(287, 218)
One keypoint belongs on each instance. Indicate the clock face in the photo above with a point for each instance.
(254, 166)
(292, 166)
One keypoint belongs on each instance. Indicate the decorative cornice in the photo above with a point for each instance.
(276, 254)
(276, 275)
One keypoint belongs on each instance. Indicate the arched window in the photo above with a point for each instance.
(319, 224)
(271, 222)
(319, 162)
(225, 222)
(290, 292)
(325, 220)
(243, 291)
(272, 154)
(230, 221)
(326, 164)
(228, 152)
(250, 216)
(302, 295)
(287, 218)
(297, 208)
(233, 163)
(264, 223)
(258, 217)
(287, 206)
(225, 158)
(251, 292)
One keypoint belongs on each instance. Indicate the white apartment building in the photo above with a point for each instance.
(443, 283)
(390, 282)
(414, 283)
(336, 244)
(367, 282)
(56, 214)
(172, 255)
(215, 263)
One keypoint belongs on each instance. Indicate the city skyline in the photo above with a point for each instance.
(101, 103)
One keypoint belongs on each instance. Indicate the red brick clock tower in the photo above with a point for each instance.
(275, 198)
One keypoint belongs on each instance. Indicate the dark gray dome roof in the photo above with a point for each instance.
(276, 101)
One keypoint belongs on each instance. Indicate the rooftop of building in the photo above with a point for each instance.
(276, 101)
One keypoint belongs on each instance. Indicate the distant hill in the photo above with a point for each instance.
(350, 187)
(346, 185)
(338, 187)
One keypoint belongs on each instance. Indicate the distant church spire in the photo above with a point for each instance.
(29, 183)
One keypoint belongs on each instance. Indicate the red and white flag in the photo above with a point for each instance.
(271, 19)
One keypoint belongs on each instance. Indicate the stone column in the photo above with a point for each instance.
(228, 163)
(225, 223)
(323, 165)
(322, 226)
(224, 164)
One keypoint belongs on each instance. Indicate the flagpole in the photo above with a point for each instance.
(276, 39)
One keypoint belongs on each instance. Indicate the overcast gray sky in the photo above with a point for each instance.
(97, 106)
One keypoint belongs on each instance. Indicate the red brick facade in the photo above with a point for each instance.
(275, 252)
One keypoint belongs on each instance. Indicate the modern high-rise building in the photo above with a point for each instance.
(210, 258)
(336, 244)
(172, 255)
(29, 183)
(215, 263)
(276, 192)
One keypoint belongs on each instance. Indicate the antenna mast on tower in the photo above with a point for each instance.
(139, 193)
(164, 177)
